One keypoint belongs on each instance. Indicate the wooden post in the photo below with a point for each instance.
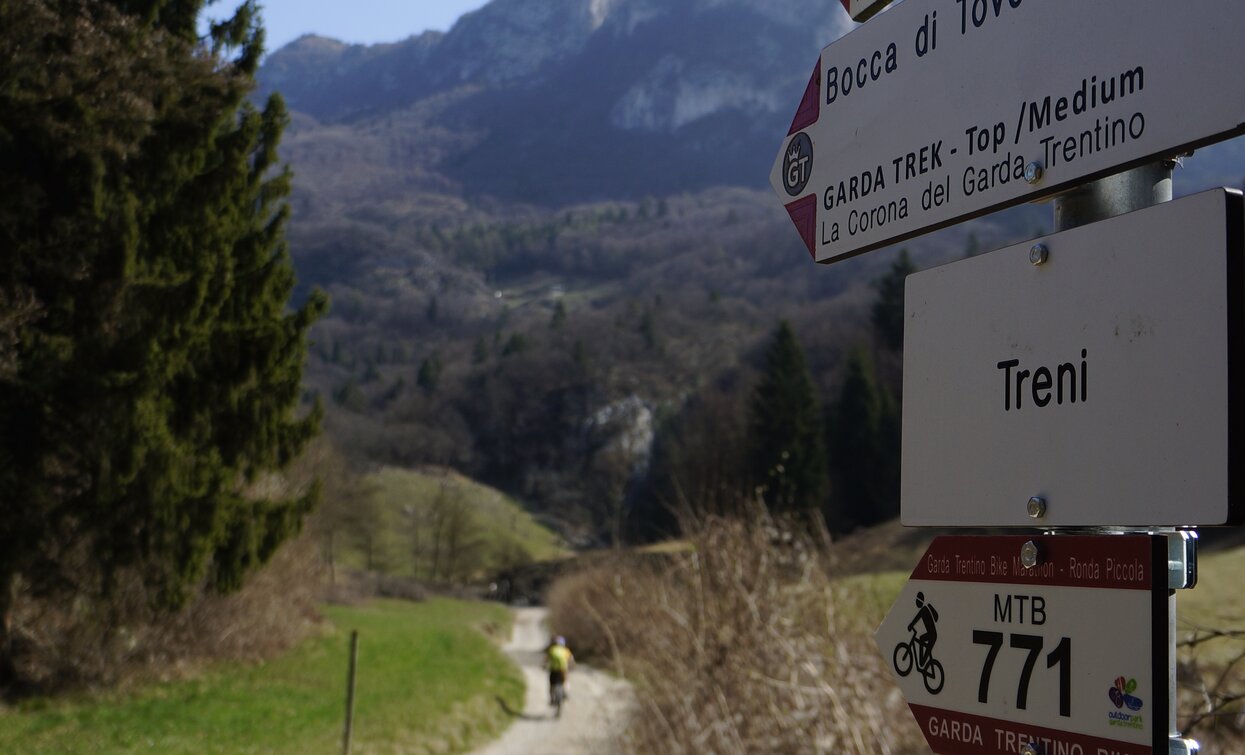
(354, 663)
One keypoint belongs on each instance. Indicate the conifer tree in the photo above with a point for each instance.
(786, 443)
(888, 308)
(142, 211)
(863, 438)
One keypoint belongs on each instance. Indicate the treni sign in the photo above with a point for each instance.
(938, 111)
(1103, 380)
(1070, 654)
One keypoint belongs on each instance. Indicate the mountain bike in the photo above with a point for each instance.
(931, 670)
(557, 696)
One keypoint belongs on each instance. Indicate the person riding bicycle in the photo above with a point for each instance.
(559, 660)
(928, 616)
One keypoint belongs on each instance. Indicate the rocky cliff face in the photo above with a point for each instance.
(569, 100)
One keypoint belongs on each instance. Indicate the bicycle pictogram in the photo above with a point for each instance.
(920, 649)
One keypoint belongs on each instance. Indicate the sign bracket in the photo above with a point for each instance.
(1182, 560)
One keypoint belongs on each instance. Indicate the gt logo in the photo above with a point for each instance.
(797, 164)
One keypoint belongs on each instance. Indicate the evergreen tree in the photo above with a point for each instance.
(786, 443)
(142, 211)
(863, 438)
(429, 373)
(888, 308)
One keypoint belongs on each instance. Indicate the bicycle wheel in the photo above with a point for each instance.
(903, 659)
(559, 694)
(935, 677)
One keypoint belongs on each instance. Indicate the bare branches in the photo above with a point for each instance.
(1212, 674)
(740, 645)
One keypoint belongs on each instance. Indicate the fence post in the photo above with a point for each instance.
(354, 663)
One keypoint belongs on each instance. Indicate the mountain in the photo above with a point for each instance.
(561, 101)
(551, 249)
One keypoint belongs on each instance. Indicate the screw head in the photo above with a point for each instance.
(1029, 748)
(1029, 555)
(1039, 254)
(1033, 172)
(1036, 507)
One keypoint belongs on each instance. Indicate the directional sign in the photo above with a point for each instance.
(941, 110)
(1071, 654)
(1099, 381)
(862, 10)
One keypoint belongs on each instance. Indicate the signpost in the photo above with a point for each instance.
(1082, 380)
(1090, 372)
(938, 111)
(1069, 654)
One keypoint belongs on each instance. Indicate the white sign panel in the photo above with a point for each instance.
(1070, 655)
(941, 110)
(1098, 381)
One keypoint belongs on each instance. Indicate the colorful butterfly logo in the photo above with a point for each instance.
(1122, 694)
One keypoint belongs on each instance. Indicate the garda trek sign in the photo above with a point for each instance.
(1058, 643)
(938, 111)
(1088, 378)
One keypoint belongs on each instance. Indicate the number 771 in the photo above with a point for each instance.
(1061, 656)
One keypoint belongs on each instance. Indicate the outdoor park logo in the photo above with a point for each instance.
(1122, 696)
(797, 164)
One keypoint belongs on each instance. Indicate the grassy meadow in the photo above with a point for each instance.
(429, 681)
(436, 524)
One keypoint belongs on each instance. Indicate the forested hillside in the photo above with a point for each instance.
(554, 265)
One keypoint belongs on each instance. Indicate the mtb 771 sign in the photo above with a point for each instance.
(937, 111)
(1069, 654)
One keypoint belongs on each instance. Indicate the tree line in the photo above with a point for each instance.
(781, 443)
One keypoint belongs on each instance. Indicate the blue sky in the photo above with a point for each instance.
(366, 21)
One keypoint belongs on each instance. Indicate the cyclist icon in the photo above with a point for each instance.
(921, 647)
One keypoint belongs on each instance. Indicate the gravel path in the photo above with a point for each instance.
(592, 719)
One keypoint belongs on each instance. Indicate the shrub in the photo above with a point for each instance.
(742, 645)
(105, 638)
(1212, 699)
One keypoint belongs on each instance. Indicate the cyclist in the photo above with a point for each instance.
(928, 616)
(559, 660)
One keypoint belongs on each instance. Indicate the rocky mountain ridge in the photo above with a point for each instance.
(578, 99)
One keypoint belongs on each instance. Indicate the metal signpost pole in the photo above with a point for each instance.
(1131, 190)
(1124, 192)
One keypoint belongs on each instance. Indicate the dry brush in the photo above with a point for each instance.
(743, 644)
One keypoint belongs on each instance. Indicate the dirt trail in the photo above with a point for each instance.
(592, 719)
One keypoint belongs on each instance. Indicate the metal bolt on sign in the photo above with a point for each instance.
(1030, 556)
(1029, 748)
(1033, 172)
(1039, 254)
(1036, 507)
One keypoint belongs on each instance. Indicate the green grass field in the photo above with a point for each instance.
(495, 532)
(428, 682)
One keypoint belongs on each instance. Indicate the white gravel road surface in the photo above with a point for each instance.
(592, 719)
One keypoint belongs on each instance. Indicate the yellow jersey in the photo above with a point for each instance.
(560, 658)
